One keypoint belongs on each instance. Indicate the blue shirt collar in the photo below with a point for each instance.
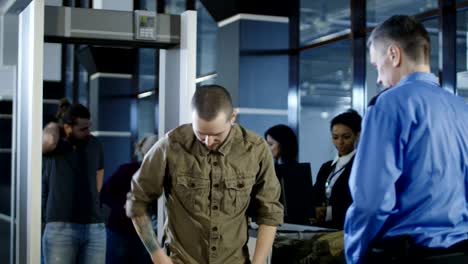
(419, 76)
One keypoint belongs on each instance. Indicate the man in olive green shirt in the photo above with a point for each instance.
(211, 171)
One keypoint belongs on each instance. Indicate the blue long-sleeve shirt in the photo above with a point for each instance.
(410, 174)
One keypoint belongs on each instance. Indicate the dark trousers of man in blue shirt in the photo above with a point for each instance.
(401, 250)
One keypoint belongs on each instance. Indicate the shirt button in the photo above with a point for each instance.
(216, 185)
(215, 163)
(213, 248)
(215, 207)
(214, 229)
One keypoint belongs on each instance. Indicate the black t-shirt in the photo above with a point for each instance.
(69, 187)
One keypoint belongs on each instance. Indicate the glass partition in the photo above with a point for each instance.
(323, 18)
(325, 91)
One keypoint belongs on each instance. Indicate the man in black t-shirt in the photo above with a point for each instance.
(72, 179)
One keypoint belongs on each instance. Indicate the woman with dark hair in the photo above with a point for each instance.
(331, 192)
(283, 144)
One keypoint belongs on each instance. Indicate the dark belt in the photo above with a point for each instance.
(402, 248)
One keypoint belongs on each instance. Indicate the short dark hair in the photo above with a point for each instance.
(350, 118)
(73, 112)
(287, 140)
(407, 32)
(209, 100)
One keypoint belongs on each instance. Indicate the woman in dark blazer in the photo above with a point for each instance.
(331, 191)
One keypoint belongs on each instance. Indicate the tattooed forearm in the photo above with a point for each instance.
(146, 232)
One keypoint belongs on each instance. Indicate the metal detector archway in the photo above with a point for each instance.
(174, 35)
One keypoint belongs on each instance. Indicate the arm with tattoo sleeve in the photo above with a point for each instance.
(147, 235)
(146, 232)
(147, 186)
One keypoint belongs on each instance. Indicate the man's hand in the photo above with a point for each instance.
(50, 137)
(320, 214)
(99, 179)
(160, 257)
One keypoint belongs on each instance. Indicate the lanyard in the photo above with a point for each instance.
(328, 187)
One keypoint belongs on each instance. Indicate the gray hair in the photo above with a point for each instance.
(144, 145)
(407, 32)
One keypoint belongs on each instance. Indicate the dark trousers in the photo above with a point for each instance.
(125, 249)
(401, 250)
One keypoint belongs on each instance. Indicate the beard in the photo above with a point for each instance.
(77, 140)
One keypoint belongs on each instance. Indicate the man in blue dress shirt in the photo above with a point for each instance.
(409, 181)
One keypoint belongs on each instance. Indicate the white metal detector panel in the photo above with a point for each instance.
(28, 119)
(177, 74)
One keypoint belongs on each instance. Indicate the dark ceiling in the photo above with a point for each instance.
(107, 59)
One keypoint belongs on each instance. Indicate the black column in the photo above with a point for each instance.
(294, 99)
(134, 102)
(160, 6)
(189, 4)
(448, 44)
(358, 40)
(77, 67)
(67, 61)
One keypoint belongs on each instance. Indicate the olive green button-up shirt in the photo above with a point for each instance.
(208, 193)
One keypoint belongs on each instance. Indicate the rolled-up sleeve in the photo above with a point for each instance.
(147, 182)
(267, 190)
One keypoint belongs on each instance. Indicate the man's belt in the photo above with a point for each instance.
(403, 247)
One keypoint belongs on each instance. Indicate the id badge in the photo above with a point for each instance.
(328, 216)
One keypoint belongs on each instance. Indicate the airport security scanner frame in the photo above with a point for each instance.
(173, 35)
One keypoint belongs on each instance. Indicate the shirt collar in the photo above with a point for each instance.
(419, 76)
(199, 148)
(344, 159)
(225, 146)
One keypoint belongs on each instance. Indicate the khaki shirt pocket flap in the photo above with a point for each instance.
(193, 183)
(240, 184)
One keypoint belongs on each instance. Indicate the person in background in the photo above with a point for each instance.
(72, 175)
(409, 181)
(283, 144)
(331, 190)
(123, 244)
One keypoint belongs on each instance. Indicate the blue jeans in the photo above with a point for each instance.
(125, 248)
(68, 243)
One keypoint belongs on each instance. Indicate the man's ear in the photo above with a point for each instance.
(395, 53)
(232, 118)
(67, 129)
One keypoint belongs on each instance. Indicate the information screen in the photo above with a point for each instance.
(145, 25)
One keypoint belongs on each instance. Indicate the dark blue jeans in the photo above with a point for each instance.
(66, 243)
(124, 249)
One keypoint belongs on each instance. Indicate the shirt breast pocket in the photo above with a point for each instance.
(193, 192)
(237, 194)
